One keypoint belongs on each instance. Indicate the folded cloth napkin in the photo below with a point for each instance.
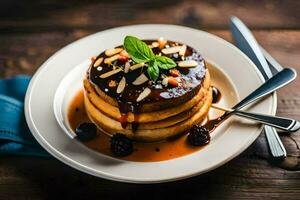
(15, 136)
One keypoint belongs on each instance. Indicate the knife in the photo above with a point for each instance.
(275, 66)
(246, 42)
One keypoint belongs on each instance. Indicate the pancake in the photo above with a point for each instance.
(161, 97)
(148, 94)
(144, 117)
(155, 124)
(112, 126)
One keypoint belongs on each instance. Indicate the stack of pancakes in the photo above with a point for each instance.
(164, 112)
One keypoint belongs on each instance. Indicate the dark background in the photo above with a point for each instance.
(31, 31)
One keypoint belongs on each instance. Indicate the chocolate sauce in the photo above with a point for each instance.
(143, 152)
(123, 120)
(211, 124)
(216, 94)
(190, 79)
(135, 123)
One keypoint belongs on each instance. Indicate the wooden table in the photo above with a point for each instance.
(31, 31)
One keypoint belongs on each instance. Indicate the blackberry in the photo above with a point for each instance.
(86, 131)
(198, 136)
(120, 145)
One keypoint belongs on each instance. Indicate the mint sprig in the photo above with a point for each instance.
(164, 62)
(140, 52)
(153, 70)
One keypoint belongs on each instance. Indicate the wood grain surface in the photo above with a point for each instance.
(31, 31)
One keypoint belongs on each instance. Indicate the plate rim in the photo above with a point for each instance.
(74, 164)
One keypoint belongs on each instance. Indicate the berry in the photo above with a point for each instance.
(120, 145)
(86, 131)
(198, 136)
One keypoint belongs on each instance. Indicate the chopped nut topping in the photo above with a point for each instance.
(93, 58)
(172, 81)
(111, 59)
(174, 72)
(121, 85)
(140, 80)
(110, 73)
(171, 50)
(123, 59)
(143, 95)
(124, 56)
(165, 81)
(98, 62)
(124, 53)
(162, 42)
(187, 63)
(136, 66)
(112, 83)
(182, 50)
(111, 52)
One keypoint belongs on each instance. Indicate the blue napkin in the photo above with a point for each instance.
(15, 136)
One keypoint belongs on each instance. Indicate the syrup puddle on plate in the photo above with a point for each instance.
(159, 151)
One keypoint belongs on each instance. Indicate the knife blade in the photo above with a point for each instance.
(271, 61)
(246, 42)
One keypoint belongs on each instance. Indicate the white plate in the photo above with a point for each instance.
(53, 77)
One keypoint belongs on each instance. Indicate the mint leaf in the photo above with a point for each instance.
(164, 62)
(138, 50)
(153, 70)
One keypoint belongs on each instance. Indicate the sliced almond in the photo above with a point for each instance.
(187, 63)
(110, 73)
(182, 50)
(111, 59)
(143, 95)
(111, 52)
(162, 42)
(140, 80)
(127, 67)
(98, 62)
(155, 44)
(136, 66)
(171, 50)
(121, 85)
